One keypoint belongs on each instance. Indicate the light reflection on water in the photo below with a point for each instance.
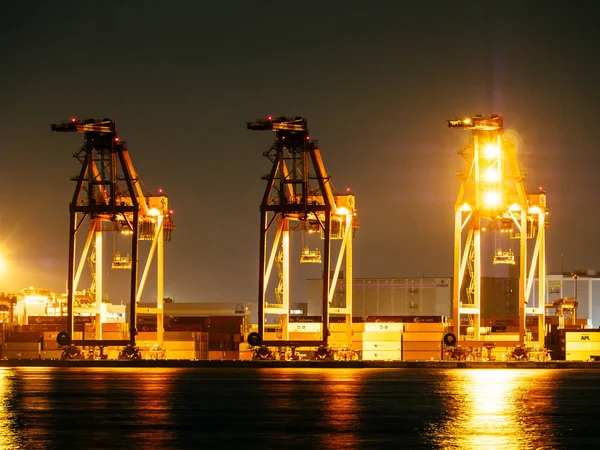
(297, 408)
(495, 409)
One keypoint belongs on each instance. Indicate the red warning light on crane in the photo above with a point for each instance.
(160, 191)
(270, 118)
(73, 119)
(116, 139)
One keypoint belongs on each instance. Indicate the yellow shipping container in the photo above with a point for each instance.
(582, 336)
(339, 327)
(22, 354)
(114, 336)
(358, 327)
(381, 355)
(146, 336)
(305, 336)
(113, 327)
(50, 345)
(181, 354)
(424, 327)
(179, 345)
(51, 354)
(420, 355)
(20, 347)
(421, 336)
(178, 336)
(592, 346)
(422, 346)
(581, 355)
(50, 335)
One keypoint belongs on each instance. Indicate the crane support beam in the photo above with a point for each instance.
(299, 196)
(109, 191)
(492, 199)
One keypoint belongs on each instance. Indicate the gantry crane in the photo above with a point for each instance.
(110, 193)
(492, 195)
(299, 196)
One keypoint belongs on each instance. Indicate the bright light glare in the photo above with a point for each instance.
(515, 207)
(535, 210)
(491, 175)
(491, 199)
(2, 264)
(342, 211)
(491, 151)
(153, 212)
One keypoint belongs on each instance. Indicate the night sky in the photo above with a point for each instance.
(376, 80)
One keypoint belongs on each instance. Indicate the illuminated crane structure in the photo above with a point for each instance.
(109, 192)
(492, 196)
(299, 197)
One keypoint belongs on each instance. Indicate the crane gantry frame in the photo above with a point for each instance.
(291, 194)
(492, 189)
(99, 195)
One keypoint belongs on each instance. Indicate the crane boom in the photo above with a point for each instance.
(83, 126)
(279, 123)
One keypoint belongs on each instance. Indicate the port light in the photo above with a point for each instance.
(492, 199)
(491, 151)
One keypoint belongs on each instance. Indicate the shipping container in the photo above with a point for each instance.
(423, 336)
(21, 346)
(381, 355)
(422, 346)
(179, 336)
(582, 355)
(181, 354)
(51, 354)
(384, 345)
(20, 354)
(383, 326)
(303, 327)
(378, 336)
(420, 355)
(425, 327)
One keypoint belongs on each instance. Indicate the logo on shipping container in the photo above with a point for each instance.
(585, 337)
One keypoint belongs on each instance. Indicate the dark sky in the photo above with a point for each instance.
(376, 80)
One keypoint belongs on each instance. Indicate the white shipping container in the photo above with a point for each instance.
(382, 336)
(383, 345)
(304, 327)
(381, 355)
(383, 326)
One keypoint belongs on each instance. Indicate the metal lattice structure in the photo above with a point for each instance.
(110, 194)
(299, 196)
(492, 196)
